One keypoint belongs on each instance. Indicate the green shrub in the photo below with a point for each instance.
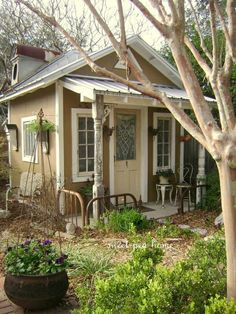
(126, 220)
(212, 198)
(220, 305)
(169, 230)
(141, 286)
(87, 266)
(152, 251)
(123, 292)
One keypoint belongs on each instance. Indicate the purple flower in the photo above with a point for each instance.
(60, 260)
(46, 242)
(27, 242)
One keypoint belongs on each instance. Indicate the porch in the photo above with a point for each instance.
(133, 137)
(151, 210)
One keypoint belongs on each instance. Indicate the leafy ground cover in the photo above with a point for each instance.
(101, 256)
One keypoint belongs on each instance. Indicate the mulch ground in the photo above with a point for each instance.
(20, 225)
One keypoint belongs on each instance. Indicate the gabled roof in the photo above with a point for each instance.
(71, 61)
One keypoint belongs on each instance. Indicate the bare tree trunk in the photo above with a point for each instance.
(228, 201)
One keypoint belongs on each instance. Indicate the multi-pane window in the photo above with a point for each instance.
(163, 143)
(29, 147)
(85, 144)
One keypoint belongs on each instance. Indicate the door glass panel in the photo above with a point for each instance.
(125, 137)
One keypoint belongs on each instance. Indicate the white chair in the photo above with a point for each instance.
(30, 186)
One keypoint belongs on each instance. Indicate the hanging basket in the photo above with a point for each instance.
(36, 292)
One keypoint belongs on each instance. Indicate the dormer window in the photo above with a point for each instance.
(14, 72)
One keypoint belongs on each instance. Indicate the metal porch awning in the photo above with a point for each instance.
(115, 92)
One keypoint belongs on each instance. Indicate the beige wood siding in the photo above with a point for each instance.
(152, 179)
(110, 61)
(72, 100)
(29, 105)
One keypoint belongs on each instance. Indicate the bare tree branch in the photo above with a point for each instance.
(198, 29)
(200, 60)
(231, 39)
(105, 27)
(215, 58)
(147, 89)
(122, 26)
(161, 11)
(174, 15)
(215, 65)
(160, 26)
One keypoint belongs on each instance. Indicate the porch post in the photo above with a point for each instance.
(201, 176)
(98, 187)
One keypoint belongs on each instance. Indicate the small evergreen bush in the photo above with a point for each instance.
(87, 266)
(143, 286)
(218, 305)
(169, 230)
(126, 220)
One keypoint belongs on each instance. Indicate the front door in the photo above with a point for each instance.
(127, 152)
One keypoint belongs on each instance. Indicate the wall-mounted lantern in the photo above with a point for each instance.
(152, 131)
(107, 131)
(12, 135)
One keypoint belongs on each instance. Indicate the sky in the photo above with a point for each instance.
(135, 23)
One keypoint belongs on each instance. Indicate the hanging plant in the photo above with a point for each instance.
(44, 126)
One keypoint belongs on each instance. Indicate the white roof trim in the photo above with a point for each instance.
(139, 45)
(89, 87)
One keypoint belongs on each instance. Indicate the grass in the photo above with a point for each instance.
(88, 262)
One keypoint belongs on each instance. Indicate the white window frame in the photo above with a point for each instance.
(27, 158)
(83, 176)
(163, 115)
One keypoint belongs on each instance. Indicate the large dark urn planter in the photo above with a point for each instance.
(36, 292)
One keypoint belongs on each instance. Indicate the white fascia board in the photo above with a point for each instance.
(53, 76)
(135, 42)
(157, 61)
(25, 91)
(85, 92)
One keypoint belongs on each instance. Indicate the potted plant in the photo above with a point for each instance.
(35, 274)
(42, 127)
(164, 175)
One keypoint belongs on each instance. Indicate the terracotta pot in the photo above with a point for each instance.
(36, 292)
